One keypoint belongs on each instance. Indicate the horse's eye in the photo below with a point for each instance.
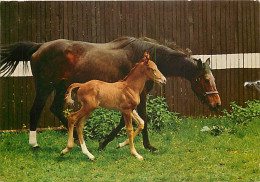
(207, 80)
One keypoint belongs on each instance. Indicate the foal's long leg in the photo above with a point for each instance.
(140, 127)
(80, 126)
(72, 120)
(129, 130)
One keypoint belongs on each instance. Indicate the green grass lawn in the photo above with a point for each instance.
(186, 155)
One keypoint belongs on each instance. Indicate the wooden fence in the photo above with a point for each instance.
(227, 32)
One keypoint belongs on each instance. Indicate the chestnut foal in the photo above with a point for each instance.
(123, 95)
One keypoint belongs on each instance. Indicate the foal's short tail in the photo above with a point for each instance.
(68, 98)
(12, 54)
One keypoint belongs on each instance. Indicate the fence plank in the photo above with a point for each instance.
(207, 27)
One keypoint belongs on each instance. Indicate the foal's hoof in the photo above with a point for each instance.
(118, 146)
(92, 159)
(151, 148)
(36, 147)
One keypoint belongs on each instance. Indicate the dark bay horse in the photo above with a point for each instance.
(123, 96)
(57, 64)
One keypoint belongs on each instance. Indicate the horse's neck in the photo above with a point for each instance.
(187, 70)
(136, 81)
(178, 66)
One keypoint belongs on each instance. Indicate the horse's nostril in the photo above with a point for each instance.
(218, 104)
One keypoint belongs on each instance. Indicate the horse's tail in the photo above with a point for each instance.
(11, 55)
(68, 98)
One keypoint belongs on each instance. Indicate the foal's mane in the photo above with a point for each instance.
(130, 73)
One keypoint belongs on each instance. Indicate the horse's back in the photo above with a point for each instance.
(76, 61)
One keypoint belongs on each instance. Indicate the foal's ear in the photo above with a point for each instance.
(147, 57)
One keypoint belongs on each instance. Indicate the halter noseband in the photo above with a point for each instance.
(209, 93)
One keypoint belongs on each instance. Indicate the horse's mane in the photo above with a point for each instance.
(171, 45)
(125, 41)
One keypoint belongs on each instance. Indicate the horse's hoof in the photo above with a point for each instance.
(118, 146)
(101, 146)
(77, 142)
(61, 153)
(151, 148)
(92, 159)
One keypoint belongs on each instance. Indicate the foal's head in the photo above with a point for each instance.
(151, 70)
(203, 84)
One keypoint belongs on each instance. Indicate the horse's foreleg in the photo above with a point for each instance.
(112, 135)
(141, 108)
(129, 130)
(35, 113)
(140, 127)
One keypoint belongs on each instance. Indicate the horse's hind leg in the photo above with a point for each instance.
(35, 113)
(88, 106)
(57, 106)
(58, 103)
(72, 120)
(80, 126)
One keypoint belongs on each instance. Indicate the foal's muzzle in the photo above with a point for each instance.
(162, 80)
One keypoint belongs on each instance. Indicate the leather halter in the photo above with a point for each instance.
(206, 93)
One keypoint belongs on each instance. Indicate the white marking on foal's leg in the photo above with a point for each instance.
(32, 139)
(86, 152)
(123, 144)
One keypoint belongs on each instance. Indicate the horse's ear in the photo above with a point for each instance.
(208, 61)
(199, 63)
(189, 52)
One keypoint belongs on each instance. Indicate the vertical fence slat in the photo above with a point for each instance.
(207, 28)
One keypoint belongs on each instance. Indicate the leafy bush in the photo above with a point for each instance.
(159, 115)
(240, 115)
(103, 121)
(233, 122)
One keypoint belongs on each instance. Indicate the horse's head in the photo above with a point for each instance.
(151, 70)
(203, 84)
